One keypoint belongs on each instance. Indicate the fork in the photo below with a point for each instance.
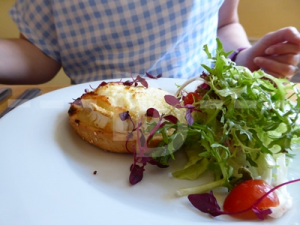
(24, 97)
(5, 93)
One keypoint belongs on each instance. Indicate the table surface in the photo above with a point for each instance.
(17, 90)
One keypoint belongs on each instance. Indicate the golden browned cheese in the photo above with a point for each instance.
(98, 119)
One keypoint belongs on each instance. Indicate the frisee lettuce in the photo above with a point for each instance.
(239, 128)
(245, 120)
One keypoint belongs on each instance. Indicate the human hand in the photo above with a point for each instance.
(277, 53)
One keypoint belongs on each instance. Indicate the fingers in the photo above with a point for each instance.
(276, 68)
(278, 75)
(283, 48)
(277, 52)
(292, 59)
(288, 34)
(285, 40)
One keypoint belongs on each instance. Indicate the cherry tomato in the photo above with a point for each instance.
(191, 97)
(245, 194)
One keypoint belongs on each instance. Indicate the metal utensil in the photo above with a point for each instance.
(4, 93)
(24, 97)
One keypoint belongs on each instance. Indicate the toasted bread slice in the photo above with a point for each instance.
(95, 116)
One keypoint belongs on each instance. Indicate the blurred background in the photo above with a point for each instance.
(257, 16)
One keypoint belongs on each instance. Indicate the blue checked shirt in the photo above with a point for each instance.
(104, 39)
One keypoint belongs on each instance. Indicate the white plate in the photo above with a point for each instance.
(46, 174)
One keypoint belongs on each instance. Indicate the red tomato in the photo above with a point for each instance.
(191, 98)
(245, 194)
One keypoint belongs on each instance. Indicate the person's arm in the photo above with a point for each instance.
(277, 53)
(23, 63)
(230, 32)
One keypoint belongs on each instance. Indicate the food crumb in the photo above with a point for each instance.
(95, 172)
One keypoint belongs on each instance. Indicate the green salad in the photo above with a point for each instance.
(240, 125)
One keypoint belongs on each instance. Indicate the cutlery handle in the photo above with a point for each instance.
(5, 93)
(24, 97)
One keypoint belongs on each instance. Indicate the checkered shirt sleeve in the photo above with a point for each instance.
(104, 39)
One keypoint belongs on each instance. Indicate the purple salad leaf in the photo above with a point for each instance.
(128, 83)
(128, 137)
(155, 128)
(189, 106)
(204, 86)
(77, 101)
(171, 118)
(142, 81)
(261, 213)
(162, 124)
(206, 203)
(142, 140)
(152, 112)
(188, 116)
(136, 173)
(98, 86)
(152, 76)
(156, 163)
(124, 115)
(135, 81)
(173, 101)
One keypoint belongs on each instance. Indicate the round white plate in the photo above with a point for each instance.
(46, 174)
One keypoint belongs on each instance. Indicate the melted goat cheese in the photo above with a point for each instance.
(119, 98)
